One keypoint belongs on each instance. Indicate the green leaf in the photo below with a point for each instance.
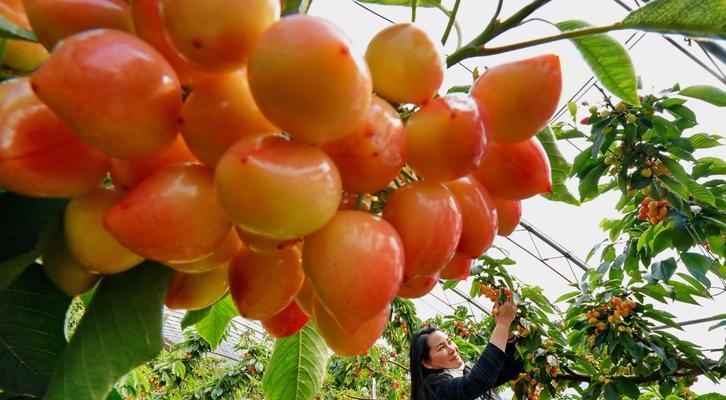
(568, 134)
(697, 265)
(582, 163)
(25, 220)
(8, 30)
(704, 141)
(664, 270)
(676, 187)
(192, 317)
(701, 193)
(718, 325)
(627, 388)
(611, 392)
(11, 269)
(459, 89)
(120, 330)
(33, 314)
(688, 17)
(450, 283)
(588, 185)
(708, 166)
(214, 326)
(666, 319)
(405, 3)
(608, 60)
(686, 116)
(567, 296)
(711, 396)
(675, 168)
(706, 93)
(297, 368)
(296, 7)
(559, 169)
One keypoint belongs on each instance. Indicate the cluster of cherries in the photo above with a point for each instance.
(185, 133)
(653, 211)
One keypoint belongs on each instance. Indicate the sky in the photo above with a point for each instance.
(658, 63)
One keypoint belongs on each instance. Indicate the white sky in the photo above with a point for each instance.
(659, 64)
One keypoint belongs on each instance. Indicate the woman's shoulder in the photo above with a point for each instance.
(436, 378)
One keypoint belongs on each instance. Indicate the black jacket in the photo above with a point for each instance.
(493, 368)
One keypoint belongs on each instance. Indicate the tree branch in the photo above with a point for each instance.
(687, 371)
(469, 51)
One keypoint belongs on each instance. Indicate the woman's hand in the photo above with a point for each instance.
(503, 315)
(506, 313)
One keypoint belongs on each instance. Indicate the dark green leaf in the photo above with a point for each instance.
(698, 288)
(664, 270)
(297, 368)
(664, 318)
(676, 187)
(120, 330)
(8, 30)
(718, 325)
(706, 93)
(680, 153)
(608, 60)
(611, 392)
(697, 266)
(701, 193)
(627, 388)
(114, 395)
(704, 141)
(588, 186)
(687, 118)
(688, 17)
(12, 268)
(559, 169)
(581, 162)
(214, 326)
(33, 314)
(24, 219)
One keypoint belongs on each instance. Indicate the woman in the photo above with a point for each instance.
(437, 371)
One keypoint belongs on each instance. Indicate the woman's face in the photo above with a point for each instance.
(443, 353)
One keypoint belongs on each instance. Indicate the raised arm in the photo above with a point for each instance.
(483, 376)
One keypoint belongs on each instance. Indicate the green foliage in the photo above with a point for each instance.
(560, 168)
(297, 368)
(31, 332)
(213, 327)
(689, 17)
(120, 330)
(708, 94)
(24, 220)
(608, 60)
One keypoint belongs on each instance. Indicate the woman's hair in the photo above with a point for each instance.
(419, 352)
